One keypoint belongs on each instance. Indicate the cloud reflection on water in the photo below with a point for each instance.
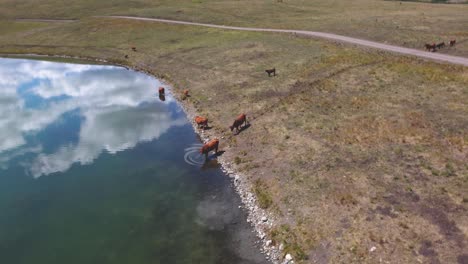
(119, 109)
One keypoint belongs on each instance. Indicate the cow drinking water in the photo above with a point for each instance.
(202, 122)
(211, 145)
(161, 91)
(240, 120)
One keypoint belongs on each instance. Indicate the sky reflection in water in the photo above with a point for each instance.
(118, 189)
(103, 108)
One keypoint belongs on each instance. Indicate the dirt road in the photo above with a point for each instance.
(361, 42)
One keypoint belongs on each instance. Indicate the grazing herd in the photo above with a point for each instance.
(239, 123)
(433, 47)
(202, 122)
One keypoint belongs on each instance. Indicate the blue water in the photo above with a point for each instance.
(92, 170)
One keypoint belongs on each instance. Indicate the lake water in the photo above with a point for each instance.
(92, 170)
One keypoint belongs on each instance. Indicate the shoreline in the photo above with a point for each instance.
(259, 219)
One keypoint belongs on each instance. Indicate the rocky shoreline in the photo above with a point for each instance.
(260, 220)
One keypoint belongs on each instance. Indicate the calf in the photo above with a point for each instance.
(201, 122)
(211, 145)
(452, 42)
(240, 120)
(270, 71)
(161, 91)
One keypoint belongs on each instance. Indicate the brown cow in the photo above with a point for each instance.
(452, 42)
(201, 122)
(430, 47)
(211, 145)
(270, 71)
(241, 119)
(161, 91)
(134, 48)
(185, 94)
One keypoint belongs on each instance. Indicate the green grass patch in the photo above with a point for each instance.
(264, 197)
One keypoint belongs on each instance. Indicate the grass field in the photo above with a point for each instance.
(407, 24)
(351, 149)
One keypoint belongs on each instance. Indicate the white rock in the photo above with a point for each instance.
(372, 249)
(264, 219)
(288, 257)
(281, 247)
(262, 235)
(268, 243)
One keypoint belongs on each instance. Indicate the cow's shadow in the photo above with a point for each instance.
(215, 155)
(245, 127)
(218, 154)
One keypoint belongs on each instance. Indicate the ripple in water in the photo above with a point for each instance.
(193, 156)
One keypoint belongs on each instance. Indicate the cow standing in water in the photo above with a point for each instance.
(211, 145)
(162, 91)
(240, 120)
(201, 122)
